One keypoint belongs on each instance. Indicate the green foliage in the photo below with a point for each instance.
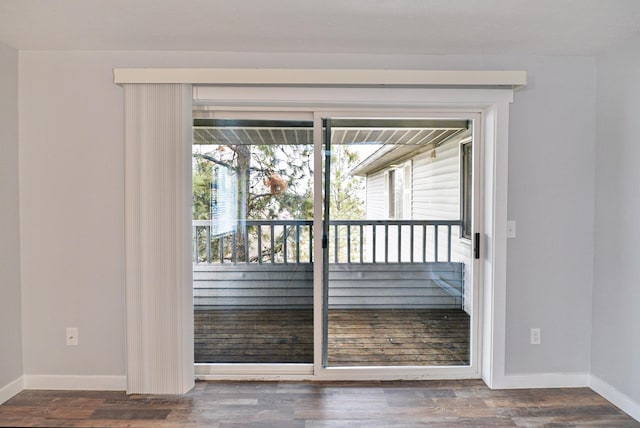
(346, 190)
(256, 166)
(293, 164)
(202, 172)
(274, 182)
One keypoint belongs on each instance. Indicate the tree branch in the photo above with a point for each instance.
(216, 161)
(219, 162)
(261, 195)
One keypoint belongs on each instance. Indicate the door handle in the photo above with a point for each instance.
(476, 245)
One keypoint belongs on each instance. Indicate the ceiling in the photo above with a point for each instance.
(548, 27)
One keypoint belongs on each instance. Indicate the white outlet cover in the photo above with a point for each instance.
(511, 229)
(535, 336)
(72, 336)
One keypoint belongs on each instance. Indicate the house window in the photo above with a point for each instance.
(466, 187)
(391, 191)
(399, 192)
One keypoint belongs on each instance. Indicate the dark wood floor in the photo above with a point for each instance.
(291, 405)
(253, 336)
(398, 337)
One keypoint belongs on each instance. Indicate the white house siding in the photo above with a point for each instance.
(376, 209)
(435, 196)
(375, 203)
(462, 251)
(352, 286)
(436, 183)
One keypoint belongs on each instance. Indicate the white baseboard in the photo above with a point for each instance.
(619, 399)
(89, 383)
(11, 389)
(542, 380)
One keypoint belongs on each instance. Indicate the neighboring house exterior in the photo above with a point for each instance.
(426, 184)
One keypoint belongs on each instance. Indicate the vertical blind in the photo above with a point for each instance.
(158, 272)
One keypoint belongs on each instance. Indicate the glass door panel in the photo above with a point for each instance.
(252, 240)
(395, 256)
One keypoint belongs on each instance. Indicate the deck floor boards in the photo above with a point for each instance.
(357, 337)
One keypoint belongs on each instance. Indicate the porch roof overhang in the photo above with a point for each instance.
(398, 138)
(390, 153)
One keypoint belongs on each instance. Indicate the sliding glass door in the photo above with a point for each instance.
(253, 244)
(396, 259)
(369, 216)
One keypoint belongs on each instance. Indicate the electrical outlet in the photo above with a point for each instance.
(535, 336)
(72, 336)
(511, 229)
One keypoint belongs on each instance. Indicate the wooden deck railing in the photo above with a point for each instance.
(350, 241)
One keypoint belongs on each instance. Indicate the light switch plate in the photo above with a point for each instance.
(511, 228)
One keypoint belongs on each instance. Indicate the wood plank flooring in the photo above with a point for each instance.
(253, 336)
(389, 337)
(467, 403)
(398, 337)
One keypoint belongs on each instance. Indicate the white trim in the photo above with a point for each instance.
(478, 316)
(456, 108)
(493, 105)
(256, 378)
(232, 370)
(318, 252)
(75, 382)
(493, 247)
(345, 99)
(305, 372)
(542, 380)
(615, 396)
(11, 389)
(276, 76)
(369, 373)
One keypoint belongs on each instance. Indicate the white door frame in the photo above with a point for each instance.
(393, 372)
(493, 107)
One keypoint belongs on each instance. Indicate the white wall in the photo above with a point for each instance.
(10, 317)
(71, 164)
(72, 200)
(551, 196)
(616, 318)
